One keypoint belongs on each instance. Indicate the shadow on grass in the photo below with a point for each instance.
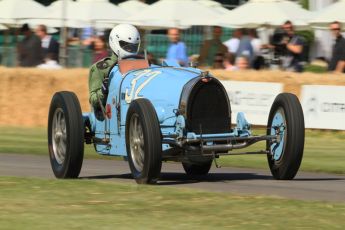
(175, 178)
(168, 178)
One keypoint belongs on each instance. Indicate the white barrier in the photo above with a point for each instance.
(324, 106)
(253, 98)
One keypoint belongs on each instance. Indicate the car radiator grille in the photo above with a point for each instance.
(208, 108)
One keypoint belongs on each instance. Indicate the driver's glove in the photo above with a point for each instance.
(105, 86)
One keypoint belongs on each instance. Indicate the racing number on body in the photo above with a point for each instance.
(149, 74)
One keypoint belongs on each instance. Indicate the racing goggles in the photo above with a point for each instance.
(129, 47)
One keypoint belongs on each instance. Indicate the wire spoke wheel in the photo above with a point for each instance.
(59, 136)
(137, 143)
(65, 135)
(143, 142)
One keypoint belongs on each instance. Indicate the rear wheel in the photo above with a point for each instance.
(143, 142)
(197, 169)
(287, 121)
(65, 135)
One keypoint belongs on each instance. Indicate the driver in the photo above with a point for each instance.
(124, 40)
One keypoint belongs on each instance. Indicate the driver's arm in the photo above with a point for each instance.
(95, 85)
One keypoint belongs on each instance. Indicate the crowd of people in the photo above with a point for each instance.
(244, 50)
(37, 48)
(41, 50)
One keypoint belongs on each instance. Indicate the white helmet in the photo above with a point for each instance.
(124, 40)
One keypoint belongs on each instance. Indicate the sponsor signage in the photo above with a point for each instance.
(324, 106)
(253, 98)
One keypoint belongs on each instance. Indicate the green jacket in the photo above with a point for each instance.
(98, 72)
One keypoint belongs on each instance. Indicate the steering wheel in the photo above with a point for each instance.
(133, 56)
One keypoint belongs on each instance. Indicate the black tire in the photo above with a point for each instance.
(197, 169)
(143, 142)
(65, 135)
(285, 160)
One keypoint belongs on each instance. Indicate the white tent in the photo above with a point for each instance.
(2, 27)
(175, 13)
(53, 17)
(334, 12)
(258, 13)
(81, 13)
(13, 10)
(214, 5)
(132, 6)
(91, 11)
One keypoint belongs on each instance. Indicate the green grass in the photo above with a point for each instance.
(32, 141)
(315, 69)
(87, 204)
(324, 150)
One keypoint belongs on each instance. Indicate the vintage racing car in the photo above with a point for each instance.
(168, 113)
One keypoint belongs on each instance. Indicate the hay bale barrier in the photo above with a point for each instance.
(26, 93)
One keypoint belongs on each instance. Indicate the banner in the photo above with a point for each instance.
(324, 106)
(253, 98)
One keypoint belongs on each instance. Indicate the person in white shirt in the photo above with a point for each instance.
(234, 42)
(49, 44)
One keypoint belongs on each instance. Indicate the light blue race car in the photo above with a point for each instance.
(168, 113)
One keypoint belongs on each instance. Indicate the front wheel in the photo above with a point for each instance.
(285, 120)
(143, 142)
(65, 135)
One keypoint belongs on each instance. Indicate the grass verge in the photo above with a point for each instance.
(323, 152)
(85, 204)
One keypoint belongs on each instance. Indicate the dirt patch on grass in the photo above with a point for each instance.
(26, 93)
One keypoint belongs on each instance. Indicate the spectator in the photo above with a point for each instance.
(50, 62)
(29, 49)
(242, 62)
(258, 60)
(245, 47)
(229, 62)
(337, 63)
(294, 48)
(218, 61)
(100, 49)
(210, 48)
(234, 42)
(48, 43)
(177, 50)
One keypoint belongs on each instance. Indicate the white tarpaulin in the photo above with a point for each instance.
(214, 5)
(97, 10)
(334, 12)
(2, 27)
(82, 13)
(132, 6)
(264, 13)
(175, 13)
(324, 106)
(53, 16)
(13, 10)
(253, 98)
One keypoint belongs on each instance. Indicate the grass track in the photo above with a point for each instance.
(87, 204)
(324, 150)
